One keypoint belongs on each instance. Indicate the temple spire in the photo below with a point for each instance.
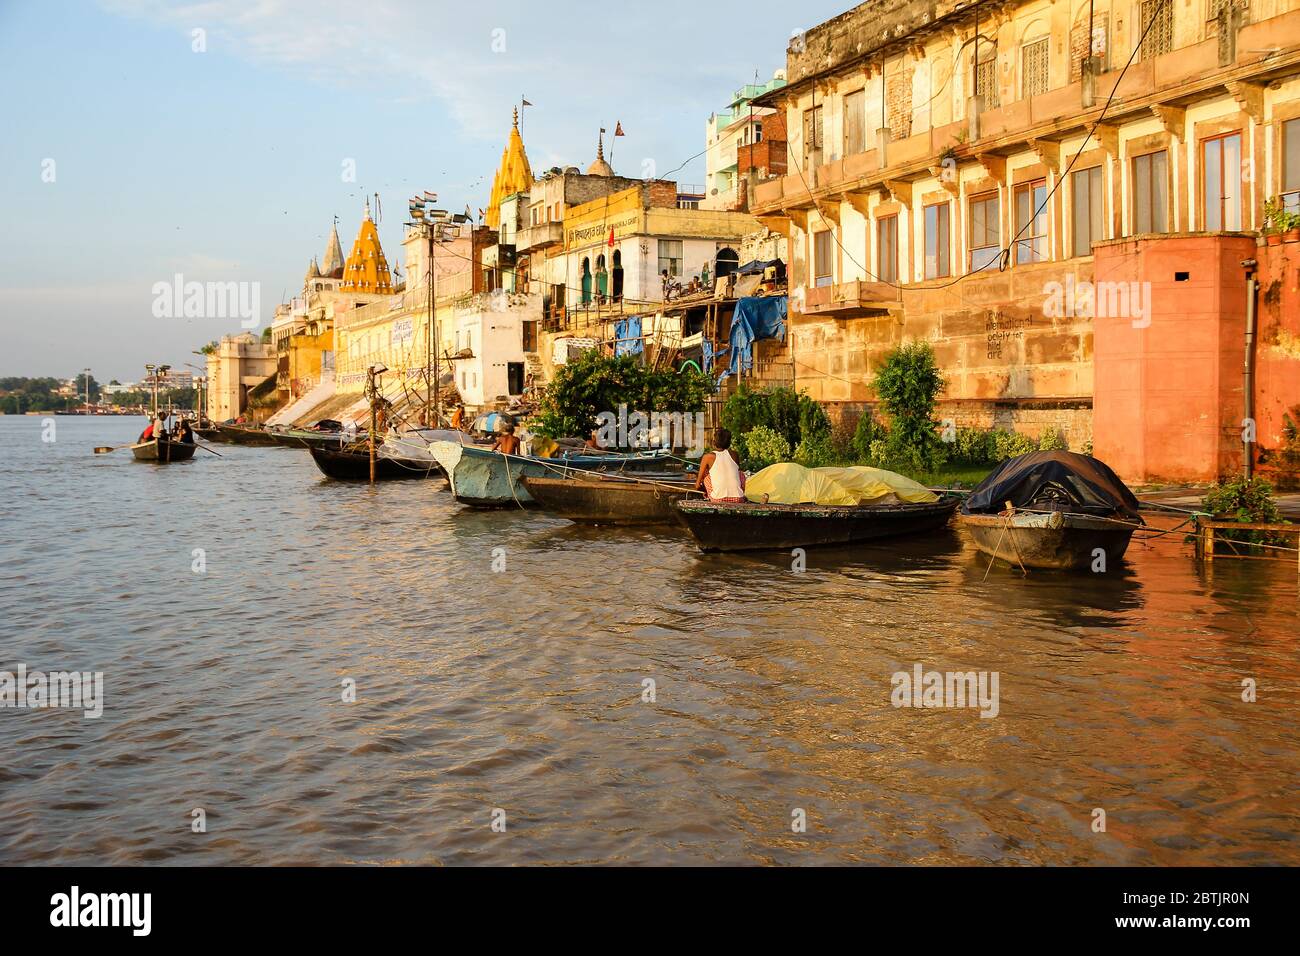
(333, 265)
(513, 176)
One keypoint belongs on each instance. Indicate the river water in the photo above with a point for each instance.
(519, 696)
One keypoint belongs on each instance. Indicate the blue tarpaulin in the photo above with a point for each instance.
(627, 336)
(756, 317)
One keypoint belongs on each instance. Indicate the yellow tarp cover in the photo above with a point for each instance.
(792, 484)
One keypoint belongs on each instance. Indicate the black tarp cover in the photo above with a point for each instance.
(1051, 479)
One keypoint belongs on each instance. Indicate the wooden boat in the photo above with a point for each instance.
(1055, 510)
(750, 526)
(306, 438)
(593, 499)
(243, 435)
(1051, 540)
(162, 451)
(347, 464)
(482, 478)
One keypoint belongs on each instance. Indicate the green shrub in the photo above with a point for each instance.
(762, 446)
(867, 432)
(816, 452)
(1051, 439)
(792, 415)
(1010, 444)
(909, 383)
(973, 446)
(1250, 502)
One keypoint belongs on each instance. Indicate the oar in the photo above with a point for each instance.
(206, 448)
(105, 449)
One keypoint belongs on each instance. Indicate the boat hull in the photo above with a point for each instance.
(306, 439)
(486, 479)
(163, 452)
(748, 526)
(1049, 541)
(239, 435)
(590, 500)
(343, 465)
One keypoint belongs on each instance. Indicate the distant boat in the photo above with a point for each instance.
(1065, 511)
(244, 435)
(163, 452)
(751, 526)
(596, 499)
(353, 465)
(488, 479)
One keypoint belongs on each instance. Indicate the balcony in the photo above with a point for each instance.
(539, 236)
(849, 300)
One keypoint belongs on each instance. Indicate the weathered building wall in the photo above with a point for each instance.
(1169, 400)
(1277, 358)
(1009, 359)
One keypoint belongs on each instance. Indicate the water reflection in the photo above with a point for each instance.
(524, 688)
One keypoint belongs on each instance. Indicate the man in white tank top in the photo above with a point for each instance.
(720, 475)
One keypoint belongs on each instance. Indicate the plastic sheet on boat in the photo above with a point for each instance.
(1056, 480)
(789, 483)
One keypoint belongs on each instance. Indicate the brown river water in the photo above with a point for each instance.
(517, 695)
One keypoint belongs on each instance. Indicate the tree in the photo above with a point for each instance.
(908, 384)
(592, 383)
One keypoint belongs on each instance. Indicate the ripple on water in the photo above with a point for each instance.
(525, 692)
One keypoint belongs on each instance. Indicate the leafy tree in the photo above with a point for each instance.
(592, 383)
(908, 384)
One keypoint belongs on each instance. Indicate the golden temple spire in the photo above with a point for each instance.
(514, 175)
(367, 269)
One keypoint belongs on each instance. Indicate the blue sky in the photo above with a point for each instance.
(226, 165)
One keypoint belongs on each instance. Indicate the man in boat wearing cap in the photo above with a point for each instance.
(720, 476)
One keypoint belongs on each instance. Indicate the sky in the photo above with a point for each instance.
(141, 139)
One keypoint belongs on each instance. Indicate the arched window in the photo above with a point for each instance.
(586, 281)
(602, 278)
(727, 262)
(618, 275)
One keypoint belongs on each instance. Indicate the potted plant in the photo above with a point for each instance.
(1290, 227)
(1274, 215)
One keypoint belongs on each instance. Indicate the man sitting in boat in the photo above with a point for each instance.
(506, 442)
(720, 475)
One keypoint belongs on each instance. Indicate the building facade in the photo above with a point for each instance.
(956, 168)
(239, 364)
(746, 145)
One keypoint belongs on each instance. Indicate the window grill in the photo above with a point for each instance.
(1033, 67)
(1160, 38)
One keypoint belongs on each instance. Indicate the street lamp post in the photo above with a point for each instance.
(86, 372)
(437, 226)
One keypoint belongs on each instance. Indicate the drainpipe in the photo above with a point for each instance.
(1248, 370)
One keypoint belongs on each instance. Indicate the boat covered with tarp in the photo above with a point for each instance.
(788, 505)
(483, 478)
(1052, 509)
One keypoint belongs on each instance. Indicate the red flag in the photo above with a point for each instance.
(611, 237)
(618, 129)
